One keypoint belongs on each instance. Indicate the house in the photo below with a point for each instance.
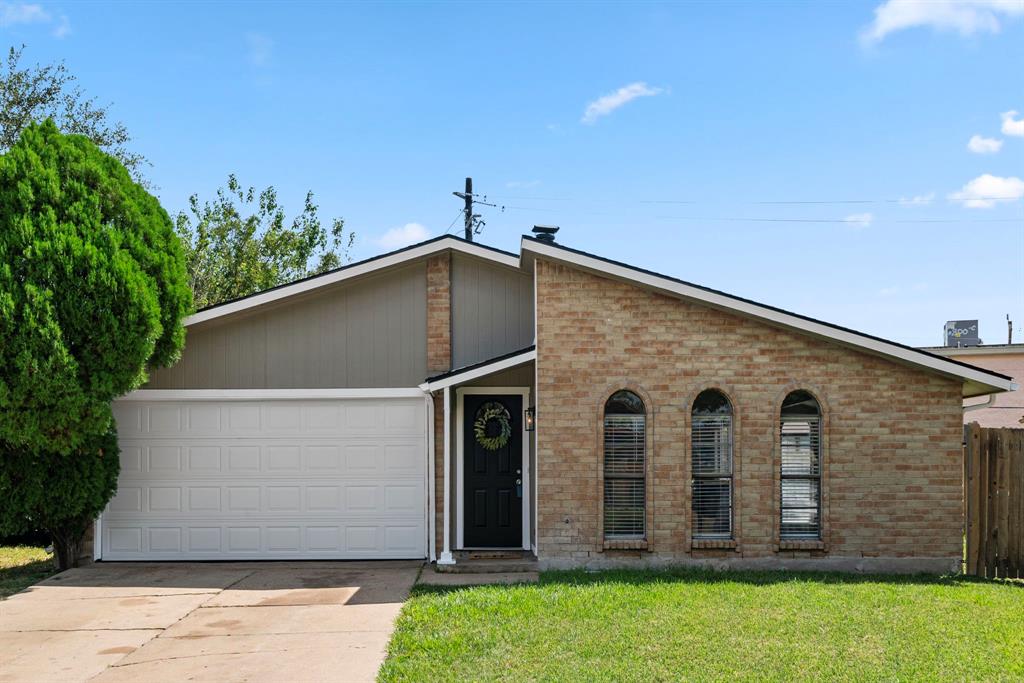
(450, 396)
(997, 410)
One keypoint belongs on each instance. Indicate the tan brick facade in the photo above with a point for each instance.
(891, 433)
(439, 313)
(439, 359)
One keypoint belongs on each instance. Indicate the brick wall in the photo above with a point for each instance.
(439, 313)
(892, 434)
(439, 358)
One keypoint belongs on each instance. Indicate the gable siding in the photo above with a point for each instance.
(492, 310)
(367, 333)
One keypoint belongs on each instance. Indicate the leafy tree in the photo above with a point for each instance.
(93, 290)
(240, 243)
(59, 493)
(35, 93)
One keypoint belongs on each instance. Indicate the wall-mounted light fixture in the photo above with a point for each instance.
(530, 418)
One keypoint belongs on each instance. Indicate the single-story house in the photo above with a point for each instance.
(449, 396)
(995, 411)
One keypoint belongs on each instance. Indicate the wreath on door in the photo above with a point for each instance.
(493, 426)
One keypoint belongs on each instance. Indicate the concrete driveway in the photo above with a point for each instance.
(269, 621)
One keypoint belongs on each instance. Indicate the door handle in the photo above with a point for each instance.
(519, 488)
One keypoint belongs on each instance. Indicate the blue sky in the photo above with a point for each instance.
(704, 121)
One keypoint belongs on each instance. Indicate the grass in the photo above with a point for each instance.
(21, 566)
(640, 626)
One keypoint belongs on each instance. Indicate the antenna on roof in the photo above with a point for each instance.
(473, 222)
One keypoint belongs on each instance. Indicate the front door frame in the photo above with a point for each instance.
(459, 445)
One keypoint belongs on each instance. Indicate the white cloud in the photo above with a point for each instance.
(258, 48)
(606, 104)
(63, 27)
(860, 220)
(966, 17)
(984, 191)
(1011, 124)
(918, 200)
(980, 145)
(13, 13)
(396, 238)
(521, 184)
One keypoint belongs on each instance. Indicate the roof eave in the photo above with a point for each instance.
(347, 272)
(976, 381)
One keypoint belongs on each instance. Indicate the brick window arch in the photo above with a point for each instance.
(800, 473)
(625, 466)
(711, 464)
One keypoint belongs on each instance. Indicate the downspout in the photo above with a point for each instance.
(432, 474)
(978, 406)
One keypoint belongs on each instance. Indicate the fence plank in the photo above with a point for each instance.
(1017, 504)
(973, 485)
(1003, 502)
(991, 485)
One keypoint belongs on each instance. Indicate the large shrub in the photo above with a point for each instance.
(60, 493)
(92, 289)
(92, 294)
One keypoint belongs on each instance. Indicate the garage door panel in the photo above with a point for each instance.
(192, 499)
(265, 539)
(353, 458)
(338, 478)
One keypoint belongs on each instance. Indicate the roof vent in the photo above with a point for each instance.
(545, 233)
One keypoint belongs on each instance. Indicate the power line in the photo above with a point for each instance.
(906, 201)
(453, 221)
(859, 220)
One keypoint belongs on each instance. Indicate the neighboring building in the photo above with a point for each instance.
(1002, 410)
(384, 410)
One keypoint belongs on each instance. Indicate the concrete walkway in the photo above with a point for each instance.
(273, 621)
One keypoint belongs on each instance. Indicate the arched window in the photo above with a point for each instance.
(711, 441)
(801, 467)
(625, 466)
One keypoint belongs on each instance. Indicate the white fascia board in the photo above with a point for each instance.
(976, 382)
(352, 271)
(481, 371)
(267, 394)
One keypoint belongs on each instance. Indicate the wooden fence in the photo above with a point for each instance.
(994, 496)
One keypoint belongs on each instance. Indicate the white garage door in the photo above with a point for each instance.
(268, 479)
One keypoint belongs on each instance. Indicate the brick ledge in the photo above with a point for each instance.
(626, 544)
(713, 544)
(801, 545)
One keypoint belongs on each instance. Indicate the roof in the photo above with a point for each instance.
(352, 270)
(979, 350)
(487, 367)
(976, 381)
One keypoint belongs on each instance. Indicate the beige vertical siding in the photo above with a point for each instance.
(492, 310)
(367, 333)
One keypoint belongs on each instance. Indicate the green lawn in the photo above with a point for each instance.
(643, 626)
(21, 566)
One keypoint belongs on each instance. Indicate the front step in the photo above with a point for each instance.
(490, 562)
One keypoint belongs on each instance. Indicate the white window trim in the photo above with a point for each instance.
(460, 393)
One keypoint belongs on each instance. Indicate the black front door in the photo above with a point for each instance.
(493, 471)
